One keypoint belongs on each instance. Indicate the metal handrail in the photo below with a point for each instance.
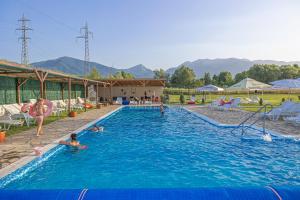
(242, 124)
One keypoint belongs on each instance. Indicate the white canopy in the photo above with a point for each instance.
(249, 84)
(209, 88)
(286, 83)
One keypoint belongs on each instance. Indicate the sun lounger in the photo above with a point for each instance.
(233, 104)
(192, 100)
(293, 120)
(6, 121)
(287, 109)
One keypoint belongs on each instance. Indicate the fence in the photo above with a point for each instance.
(31, 90)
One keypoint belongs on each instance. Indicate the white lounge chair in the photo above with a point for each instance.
(230, 106)
(6, 121)
(13, 111)
(293, 120)
(75, 105)
(288, 108)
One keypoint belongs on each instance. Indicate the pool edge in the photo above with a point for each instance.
(218, 124)
(27, 159)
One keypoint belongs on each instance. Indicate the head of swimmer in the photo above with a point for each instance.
(74, 137)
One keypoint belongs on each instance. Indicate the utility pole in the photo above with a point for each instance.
(24, 37)
(85, 33)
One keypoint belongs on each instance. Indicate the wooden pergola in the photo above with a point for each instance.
(132, 82)
(23, 73)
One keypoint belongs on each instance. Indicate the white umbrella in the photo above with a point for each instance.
(209, 88)
(286, 83)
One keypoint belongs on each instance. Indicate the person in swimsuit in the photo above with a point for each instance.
(96, 128)
(162, 109)
(40, 110)
(74, 142)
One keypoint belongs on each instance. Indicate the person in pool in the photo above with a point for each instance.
(74, 142)
(162, 109)
(96, 128)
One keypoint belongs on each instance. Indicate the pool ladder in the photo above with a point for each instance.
(245, 126)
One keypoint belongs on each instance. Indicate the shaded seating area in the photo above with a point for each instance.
(24, 84)
(131, 91)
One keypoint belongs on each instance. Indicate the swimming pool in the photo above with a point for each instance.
(139, 148)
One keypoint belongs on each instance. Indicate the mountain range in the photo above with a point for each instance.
(213, 66)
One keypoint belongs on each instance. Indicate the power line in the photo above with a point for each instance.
(85, 33)
(61, 23)
(24, 37)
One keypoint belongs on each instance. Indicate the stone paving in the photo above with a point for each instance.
(237, 116)
(21, 145)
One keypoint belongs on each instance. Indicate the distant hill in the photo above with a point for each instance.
(233, 65)
(213, 66)
(76, 66)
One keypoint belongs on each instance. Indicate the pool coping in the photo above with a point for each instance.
(218, 124)
(27, 159)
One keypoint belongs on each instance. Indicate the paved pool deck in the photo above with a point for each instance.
(20, 146)
(237, 116)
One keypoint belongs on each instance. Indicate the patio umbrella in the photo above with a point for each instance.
(209, 88)
(286, 84)
(248, 84)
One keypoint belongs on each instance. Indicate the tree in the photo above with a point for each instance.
(123, 75)
(207, 78)
(215, 79)
(264, 73)
(198, 83)
(159, 74)
(94, 74)
(240, 76)
(183, 77)
(289, 71)
(225, 79)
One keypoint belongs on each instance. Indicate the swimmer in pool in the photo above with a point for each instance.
(162, 109)
(74, 142)
(96, 128)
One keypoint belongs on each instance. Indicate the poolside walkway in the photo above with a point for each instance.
(237, 116)
(21, 145)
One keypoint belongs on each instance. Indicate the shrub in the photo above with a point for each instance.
(261, 101)
(203, 101)
(182, 99)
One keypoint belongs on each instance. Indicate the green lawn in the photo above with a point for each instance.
(274, 99)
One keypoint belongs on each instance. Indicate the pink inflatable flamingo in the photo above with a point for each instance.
(49, 104)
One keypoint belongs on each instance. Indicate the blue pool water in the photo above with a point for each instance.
(139, 148)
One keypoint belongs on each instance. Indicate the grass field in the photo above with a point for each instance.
(274, 99)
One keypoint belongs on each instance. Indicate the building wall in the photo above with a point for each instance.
(31, 90)
(128, 91)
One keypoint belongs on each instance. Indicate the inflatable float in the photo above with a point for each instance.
(49, 104)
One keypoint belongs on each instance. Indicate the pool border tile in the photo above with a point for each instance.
(27, 159)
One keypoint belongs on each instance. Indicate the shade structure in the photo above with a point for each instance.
(286, 84)
(249, 84)
(209, 88)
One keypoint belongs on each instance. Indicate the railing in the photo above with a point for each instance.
(259, 111)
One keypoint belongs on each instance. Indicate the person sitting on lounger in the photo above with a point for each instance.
(74, 142)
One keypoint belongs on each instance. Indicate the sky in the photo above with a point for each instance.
(156, 33)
